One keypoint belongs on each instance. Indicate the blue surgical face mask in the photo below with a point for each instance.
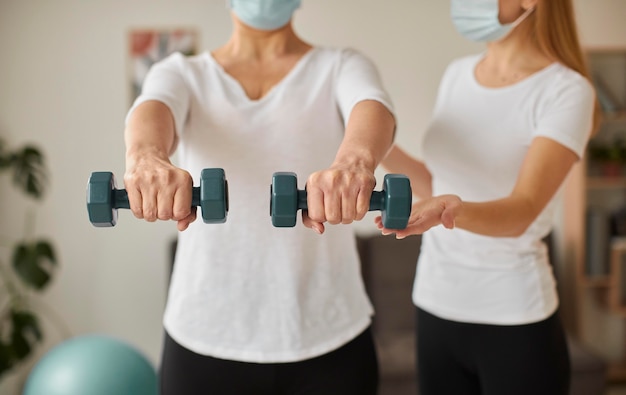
(477, 20)
(264, 14)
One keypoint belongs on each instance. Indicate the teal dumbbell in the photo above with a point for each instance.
(394, 201)
(103, 199)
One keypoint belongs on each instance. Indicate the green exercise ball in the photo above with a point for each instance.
(92, 365)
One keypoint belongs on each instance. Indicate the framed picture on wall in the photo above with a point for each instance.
(147, 46)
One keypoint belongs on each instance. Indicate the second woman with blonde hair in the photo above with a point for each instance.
(508, 126)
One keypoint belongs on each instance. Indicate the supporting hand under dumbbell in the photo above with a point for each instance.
(394, 201)
(103, 199)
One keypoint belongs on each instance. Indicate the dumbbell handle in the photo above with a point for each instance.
(120, 198)
(376, 201)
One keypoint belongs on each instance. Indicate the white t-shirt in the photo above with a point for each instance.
(245, 290)
(474, 148)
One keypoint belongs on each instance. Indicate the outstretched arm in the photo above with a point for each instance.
(399, 161)
(156, 188)
(543, 171)
(341, 193)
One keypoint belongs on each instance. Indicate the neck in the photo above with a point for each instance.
(254, 44)
(515, 52)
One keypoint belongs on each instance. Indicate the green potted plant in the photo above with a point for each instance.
(27, 263)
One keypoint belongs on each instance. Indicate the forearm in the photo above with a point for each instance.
(399, 161)
(368, 136)
(545, 167)
(156, 188)
(150, 132)
(341, 193)
(507, 217)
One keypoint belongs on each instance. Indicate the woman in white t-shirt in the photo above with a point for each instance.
(254, 309)
(508, 125)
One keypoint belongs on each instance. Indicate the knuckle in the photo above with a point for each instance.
(316, 217)
(149, 215)
(179, 213)
(165, 215)
(333, 219)
(137, 212)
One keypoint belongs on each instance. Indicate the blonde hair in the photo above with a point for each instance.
(552, 27)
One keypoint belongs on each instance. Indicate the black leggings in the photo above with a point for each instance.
(349, 370)
(474, 359)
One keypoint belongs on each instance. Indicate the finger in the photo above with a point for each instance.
(134, 196)
(135, 201)
(378, 221)
(348, 208)
(315, 205)
(309, 223)
(427, 220)
(448, 218)
(332, 208)
(149, 205)
(181, 206)
(408, 231)
(165, 203)
(185, 222)
(363, 203)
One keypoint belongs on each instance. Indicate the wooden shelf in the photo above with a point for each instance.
(596, 281)
(616, 116)
(606, 182)
(617, 372)
(597, 303)
(617, 289)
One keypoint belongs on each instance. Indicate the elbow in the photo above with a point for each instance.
(521, 226)
(518, 231)
(422, 190)
(522, 215)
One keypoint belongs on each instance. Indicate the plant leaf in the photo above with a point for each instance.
(6, 359)
(34, 263)
(29, 171)
(4, 163)
(24, 335)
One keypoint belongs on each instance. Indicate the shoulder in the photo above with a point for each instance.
(341, 55)
(458, 71)
(462, 64)
(457, 74)
(563, 79)
(182, 62)
(344, 64)
(565, 107)
(563, 87)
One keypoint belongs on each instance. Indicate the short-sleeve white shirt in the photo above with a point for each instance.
(245, 290)
(474, 148)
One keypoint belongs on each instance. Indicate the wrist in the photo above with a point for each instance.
(361, 160)
(139, 155)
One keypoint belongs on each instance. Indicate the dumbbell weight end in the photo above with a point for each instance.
(102, 199)
(212, 196)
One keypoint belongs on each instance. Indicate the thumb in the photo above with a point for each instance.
(309, 223)
(448, 216)
(184, 223)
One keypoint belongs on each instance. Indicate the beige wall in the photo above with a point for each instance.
(63, 85)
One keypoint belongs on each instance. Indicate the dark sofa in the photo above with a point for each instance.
(388, 267)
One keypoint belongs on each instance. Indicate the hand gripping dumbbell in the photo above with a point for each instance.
(103, 199)
(394, 201)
